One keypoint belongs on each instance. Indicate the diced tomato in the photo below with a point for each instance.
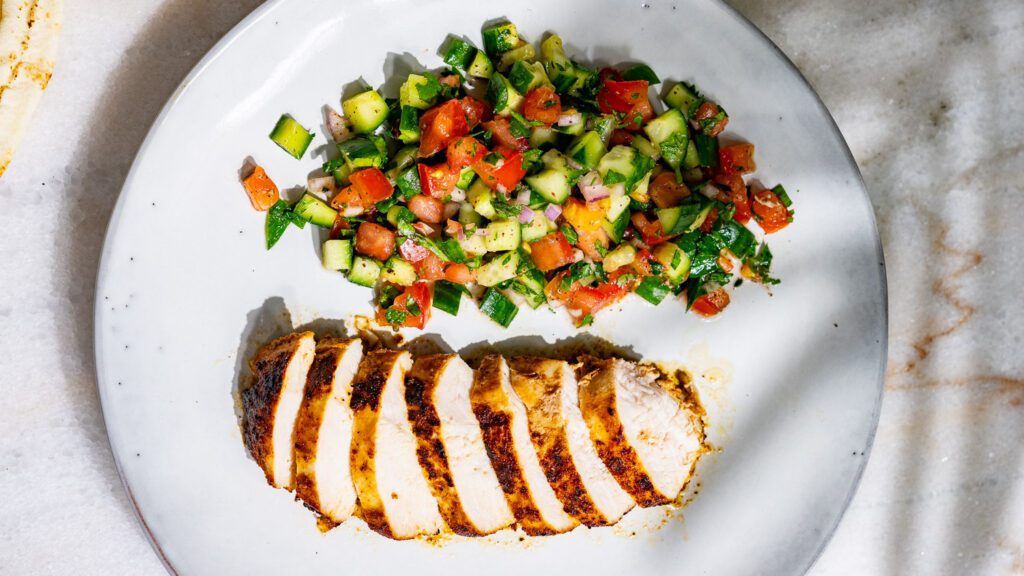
(501, 134)
(709, 222)
(262, 191)
(650, 230)
(339, 224)
(430, 267)
(459, 274)
(736, 193)
(542, 105)
(372, 185)
(554, 290)
(736, 159)
(621, 137)
(347, 197)
(628, 98)
(476, 111)
(503, 176)
(711, 303)
(464, 152)
(440, 125)
(551, 252)
(589, 300)
(375, 241)
(585, 216)
(771, 214)
(453, 228)
(437, 181)
(418, 297)
(589, 240)
(412, 251)
(426, 208)
(706, 112)
(665, 192)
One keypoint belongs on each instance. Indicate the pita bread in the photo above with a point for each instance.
(28, 47)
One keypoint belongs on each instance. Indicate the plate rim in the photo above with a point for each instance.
(257, 14)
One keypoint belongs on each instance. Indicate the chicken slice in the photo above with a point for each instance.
(323, 431)
(506, 434)
(648, 439)
(451, 446)
(588, 491)
(271, 404)
(394, 496)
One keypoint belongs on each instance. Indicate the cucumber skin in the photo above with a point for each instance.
(364, 272)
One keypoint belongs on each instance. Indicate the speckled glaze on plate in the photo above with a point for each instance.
(792, 379)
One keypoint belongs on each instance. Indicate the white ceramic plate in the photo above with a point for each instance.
(792, 380)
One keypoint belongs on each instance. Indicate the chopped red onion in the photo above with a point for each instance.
(423, 228)
(321, 184)
(526, 215)
(553, 211)
(570, 119)
(573, 164)
(458, 195)
(711, 191)
(450, 210)
(338, 126)
(523, 197)
(501, 188)
(592, 188)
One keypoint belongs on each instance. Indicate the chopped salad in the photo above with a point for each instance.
(522, 178)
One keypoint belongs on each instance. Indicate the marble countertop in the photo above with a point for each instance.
(928, 95)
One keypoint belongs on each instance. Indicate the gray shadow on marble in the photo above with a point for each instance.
(158, 59)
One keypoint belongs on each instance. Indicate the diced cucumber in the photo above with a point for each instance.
(314, 210)
(683, 97)
(541, 136)
(619, 160)
(409, 125)
(342, 173)
(641, 72)
(551, 183)
(398, 271)
(364, 272)
(527, 75)
(465, 178)
(447, 296)
(660, 128)
(502, 267)
(644, 146)
(481, 66)
(366, 111)
(500, 37)
(291, 136)
(502, 236)
(682, 219)
(468, 216)
(459, 53)
(399, 213)
(640, 192)
(524, 51)
(473, 245)
(337, 255)
(535, 229)
(503, 96)
(587, 150)
(480, 197)
(624, 255)
(675, 261)
(604, 126)
(362, 153)
(408, 182)
(707, 149)
(616, 205)
(404, 158)
(530, 285)
(552, 51)
(553, 159)
(498, 307)
(617, 227)
(415, 92)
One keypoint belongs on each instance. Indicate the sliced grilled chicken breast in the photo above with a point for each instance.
(394, 496)
(323, 431)
(271, 404)
(549, 390)
(451, 448)
(646, 437)
(506, 433)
